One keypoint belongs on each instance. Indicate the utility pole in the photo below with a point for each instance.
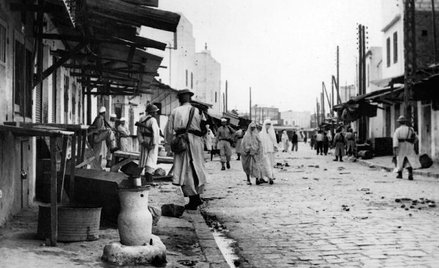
(338, 73)
(433, 11)
(318, 112)
(227, 98)
(409, 55)
(322, 97)
(250, 104)
(362, 127)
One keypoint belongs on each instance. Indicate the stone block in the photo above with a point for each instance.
(118, 254)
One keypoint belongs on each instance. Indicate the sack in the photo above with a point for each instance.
(426, 161)
(179, 143)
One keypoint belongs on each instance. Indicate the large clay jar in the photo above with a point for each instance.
(134, 220)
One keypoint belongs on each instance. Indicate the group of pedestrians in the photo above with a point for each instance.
(343, 143)
(258, 147)
(287, 138)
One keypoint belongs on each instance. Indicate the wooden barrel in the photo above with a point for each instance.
(75, 223)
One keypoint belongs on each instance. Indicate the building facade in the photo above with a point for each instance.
(208, 80)
(426, 117)
(261, 113)
(296, 119)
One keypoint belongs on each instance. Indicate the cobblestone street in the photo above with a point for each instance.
(321, 213)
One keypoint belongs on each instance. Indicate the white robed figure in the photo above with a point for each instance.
(188, 171)
(268, 139)
(148, 134)
(285, 141)
(124, 134)
(404, 140)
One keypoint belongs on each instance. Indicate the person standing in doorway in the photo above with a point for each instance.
(339, 144)
(124, 134)
(404, 140)
(225, 138)
(188, 172)
(148, 134)
(102, 131)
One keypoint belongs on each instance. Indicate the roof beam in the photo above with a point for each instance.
(155, 18)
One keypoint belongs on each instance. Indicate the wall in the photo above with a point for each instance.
(293, 118)
(208, 81)
(19, 153)
(179, 56)
(11, 147)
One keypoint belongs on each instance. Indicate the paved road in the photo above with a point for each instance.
(321, 213)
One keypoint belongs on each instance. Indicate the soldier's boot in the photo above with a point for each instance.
(399, 176)
(147, 179)
(410, 170)
(228, 165)
(222, 166)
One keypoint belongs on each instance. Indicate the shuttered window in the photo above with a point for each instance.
(22, 79)
(2, 43)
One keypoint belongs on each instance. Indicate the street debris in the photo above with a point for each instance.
(345, 207)
(314, 166)
(305, 178)
(420, 203)
(340, 168)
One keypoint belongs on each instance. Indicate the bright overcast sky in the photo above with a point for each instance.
(283, 49)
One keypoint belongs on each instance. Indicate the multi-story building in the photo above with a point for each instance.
(260, 113)
(296, 119)
(208, 80)
(426, 119)
(374, 60)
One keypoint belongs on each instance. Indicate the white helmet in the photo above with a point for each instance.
(102, 109)
(113, 116)
(122, 119)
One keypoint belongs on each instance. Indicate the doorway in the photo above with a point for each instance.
(426, 129)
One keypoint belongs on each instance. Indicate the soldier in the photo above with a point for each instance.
(188, 171)
(404, 140)
(225, 138)
(148, 134)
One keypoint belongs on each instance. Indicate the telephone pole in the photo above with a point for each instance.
(250, 104)
(409, 56)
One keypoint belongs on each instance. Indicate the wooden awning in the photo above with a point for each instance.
(102, 45)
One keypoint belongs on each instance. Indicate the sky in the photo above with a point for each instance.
(282, 49)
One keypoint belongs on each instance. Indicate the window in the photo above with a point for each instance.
(192, 80)
(2, 43)
(23, 79)
(186, 77)
(395, 47)
(388, 51)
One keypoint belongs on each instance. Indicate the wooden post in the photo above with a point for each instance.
(63, 166)
(72, 168)
(84, 142)
(53, 194)
(79, 153)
